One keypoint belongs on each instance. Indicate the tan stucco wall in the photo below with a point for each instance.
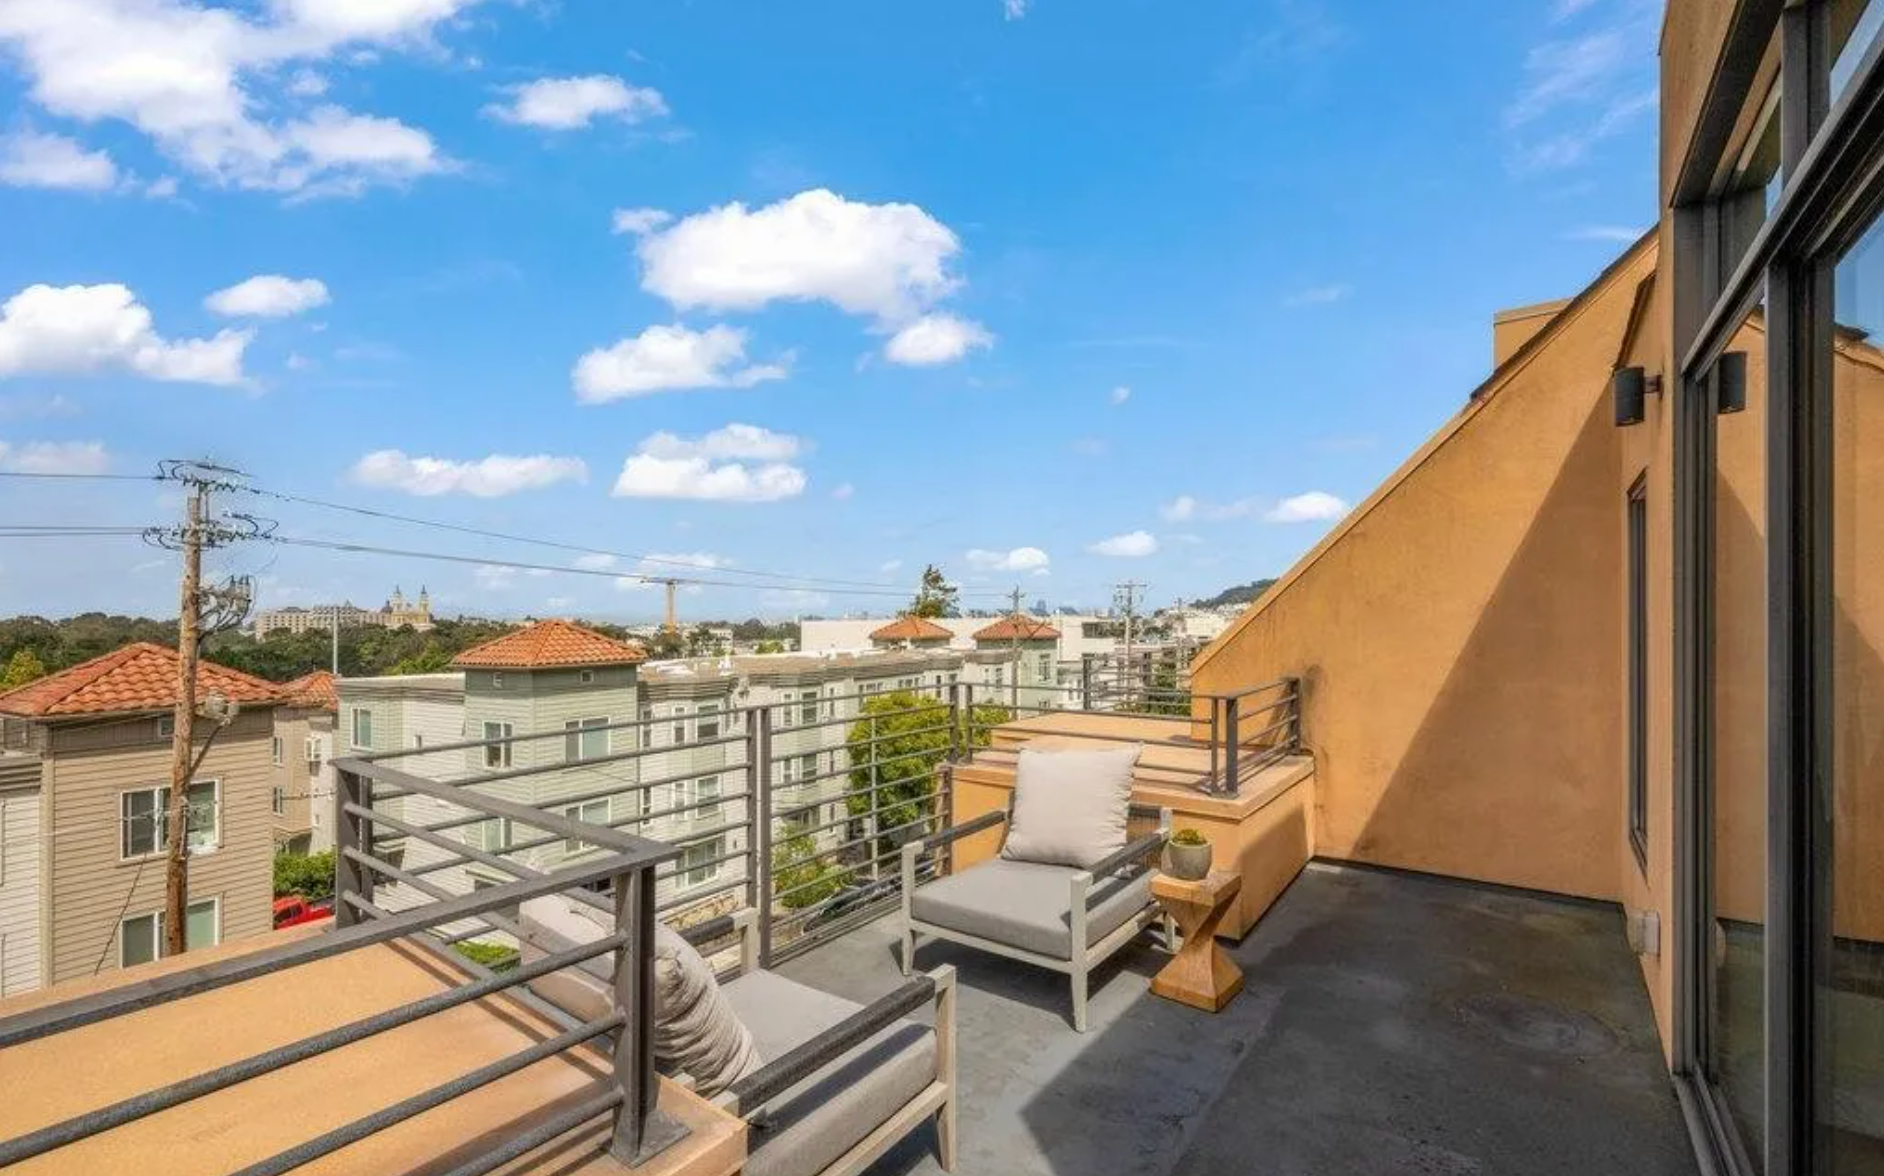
(1512, 329)
(1459, 638)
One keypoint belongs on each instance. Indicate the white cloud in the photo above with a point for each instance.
(268, 296)
(1565, 9)
(738, 463)
(161, 188)
(667, 358)
(1580, 90)
(1119, 395)
(55, 457)
(1180, 509)
(843, 492)
(656, 566)
(890, 565)
(639, 221)
(32, 160)
(1090, 446)
(936, 339)
(296, 362)
(216, 88)
(595, 561)
(74, 330)
(494, 577)
(566, 104)
(1619, 234)
(1314, 506)
(1131, 545)
(1019, 559)
(795, 599)
(489, 477)
(559, 603)
(1014, 9)
(1319, 295)
(889, 261)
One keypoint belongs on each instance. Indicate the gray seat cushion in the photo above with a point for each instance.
(1028, 905)
(811, 1124)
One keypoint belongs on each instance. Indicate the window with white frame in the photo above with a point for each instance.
(497, 754)
(680, 725)
(144, 819)
(808, 768)
(492, 834)
(1046, 667)
(587, 739)
(589, 812)
(707, 723)
(312, 752)
(362, 728)
(808, 707)
(585, 677)
(278, 798)
(275, 752)
(700, 864)
(141, 937)
(166, 726)
(698, 800)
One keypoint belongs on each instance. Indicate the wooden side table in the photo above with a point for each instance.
(1202, 974)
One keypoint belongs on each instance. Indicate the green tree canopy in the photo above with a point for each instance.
(23, 667)
(935, 596)
(895, 747)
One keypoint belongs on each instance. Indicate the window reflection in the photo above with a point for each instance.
(1855, 24)
(1753, 187)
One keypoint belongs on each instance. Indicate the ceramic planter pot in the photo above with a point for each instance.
(1189, 862)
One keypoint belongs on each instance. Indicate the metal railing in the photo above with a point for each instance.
(625, 866)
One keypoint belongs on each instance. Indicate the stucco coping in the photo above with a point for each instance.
(1259, 792)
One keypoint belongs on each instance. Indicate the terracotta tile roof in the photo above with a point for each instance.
(911, 629)
(315, 689)
(139, 677)
(1018, 628)
(547, 644)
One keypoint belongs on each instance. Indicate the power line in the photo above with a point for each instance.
(49, 474)
(581, 548)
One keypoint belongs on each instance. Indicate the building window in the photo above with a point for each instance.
(585, 677)
(707, 726)
(587, 739)
(700, 864)
(808, 707)
(1046, 667)
(492, 835)
(1638, 671)
(680, 725)
(275, 752)
(166, 726)
(362, 728)
(497, 754)
(144, 819)
(698, 800)
(141, 937)
(589, 812)
(312, 752)
(497, 681)
(418, 741)
(278, 799)
(808, 768)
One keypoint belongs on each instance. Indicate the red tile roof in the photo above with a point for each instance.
(1018, 628)
(139, 677)
(911, 629)
(549, 644)
(315, 690)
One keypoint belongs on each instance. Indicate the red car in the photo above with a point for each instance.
(292, 910)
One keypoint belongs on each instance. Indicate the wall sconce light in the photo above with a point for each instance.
(1730, 382)
(1631, 388)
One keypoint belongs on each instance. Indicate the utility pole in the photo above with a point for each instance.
(183, 725)
(673, 616)
(1014, 623)
(1125, 598)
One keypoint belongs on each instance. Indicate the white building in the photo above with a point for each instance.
(1079, 635)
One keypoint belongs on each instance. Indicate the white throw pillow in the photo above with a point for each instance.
(1070, 807)
(694, 1026)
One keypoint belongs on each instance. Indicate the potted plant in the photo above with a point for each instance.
(1187, 855)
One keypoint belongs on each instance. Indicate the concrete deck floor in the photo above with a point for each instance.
(1390, 1024)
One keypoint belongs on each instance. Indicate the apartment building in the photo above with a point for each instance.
(396, 613)
(301, 791)
(87, 857)
(1080, 634)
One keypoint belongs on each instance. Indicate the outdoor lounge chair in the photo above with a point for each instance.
(1052, 916)
(839, 1084)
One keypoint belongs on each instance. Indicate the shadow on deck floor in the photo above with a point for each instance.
(1391, 1023)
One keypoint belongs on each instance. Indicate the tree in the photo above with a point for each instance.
(701, 641)
(23, 667)
(310, 875)
(800, 877)
(935, 596)
(666, 644)
(895, 747)
(769, 646)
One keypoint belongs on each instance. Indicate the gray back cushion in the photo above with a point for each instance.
(1070, 807)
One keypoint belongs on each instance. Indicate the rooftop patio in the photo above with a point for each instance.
(1391, 1023)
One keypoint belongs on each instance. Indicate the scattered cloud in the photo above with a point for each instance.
(670, 358)
(1131, 545)
(268, 296)
(55, 457)
(1289, 33)
(37, 407)
(1581, 90)
(1566, 9)
(296, 362)
(1019, 559)
(738, 463)
(936, 339)
(843, 492)
(1119, 395)
(1313, 506)
(1319, 295)
(567, 104)
(1014, 9)
(1181, 509)
(32, 160)
(890, 566)
(795, 599)
(595, 561)
(221, 90)
(650, 569)
(490, 477)
(887, 261)
(500, 577)
(79, 330)
(639, 221)
(1619, 234)
(1090, 446)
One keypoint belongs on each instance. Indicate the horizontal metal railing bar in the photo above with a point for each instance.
(399, 1112)
(460, 962)
(498, 807)
(941, 755)
(34, 1143)
(718, 927)
(491, 919)
(808, 830)
(875, 908)
(102, 1006)
(528, 737)
(734, 768)
(866, 840)
(779, 1075)
(613, 757)
(676, 901)
(1277, 684)
(890, 887)
(868, 741)
(525, 1142)
(853, 720)
(684, 867)
(811, 937)
(480, 856)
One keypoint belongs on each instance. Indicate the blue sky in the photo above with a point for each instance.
(1048, 293)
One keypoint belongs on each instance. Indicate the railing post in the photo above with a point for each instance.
(968, 720)
(1085, 681)
(351, 832)
(955, 721)
(759, 757)
(641, 1131)
(1295, 714)
(1215, 757)
(1230, 782)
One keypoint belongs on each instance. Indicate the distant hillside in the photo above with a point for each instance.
(1240, 594)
